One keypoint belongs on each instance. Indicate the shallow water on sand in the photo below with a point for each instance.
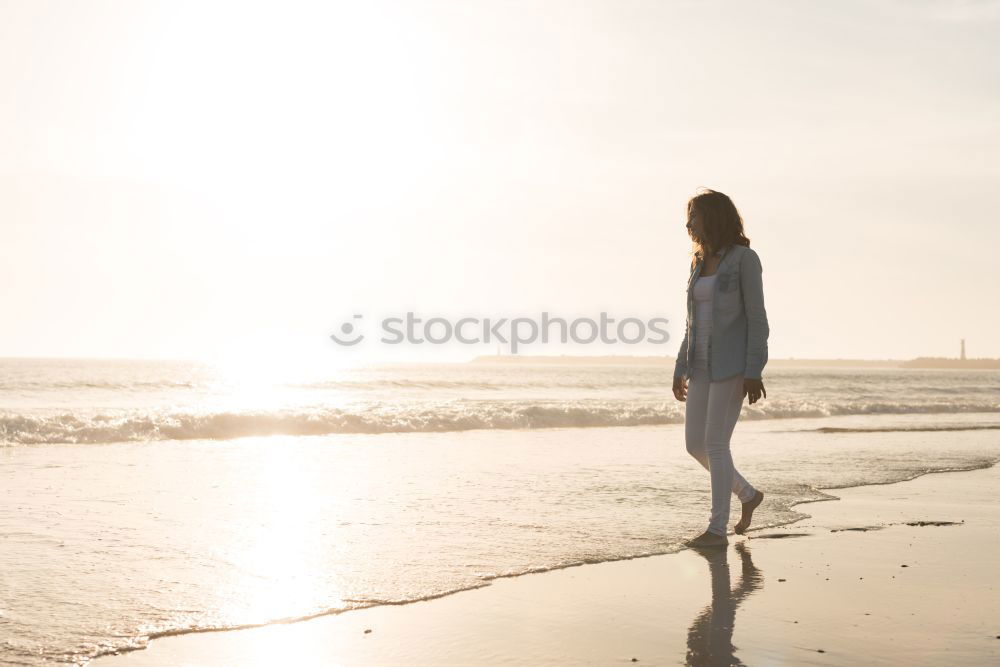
(107, 544)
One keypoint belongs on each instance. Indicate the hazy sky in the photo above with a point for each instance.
(187, 179)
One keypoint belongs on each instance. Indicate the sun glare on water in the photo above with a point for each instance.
(271, 371)
(276, 551)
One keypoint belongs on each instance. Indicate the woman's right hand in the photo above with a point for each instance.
(680, 388)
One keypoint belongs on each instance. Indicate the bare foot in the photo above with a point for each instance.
(707, 539)
(748, 508)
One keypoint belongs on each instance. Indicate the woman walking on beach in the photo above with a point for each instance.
(723, 353)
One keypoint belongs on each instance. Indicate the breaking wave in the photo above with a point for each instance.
(421, 417)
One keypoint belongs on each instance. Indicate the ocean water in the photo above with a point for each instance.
(141, 499)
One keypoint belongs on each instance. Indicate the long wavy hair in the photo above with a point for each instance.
(721, 223)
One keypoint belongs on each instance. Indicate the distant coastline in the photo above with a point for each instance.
(626, 360)
(946, 362)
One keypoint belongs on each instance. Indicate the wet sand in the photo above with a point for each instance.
(894, 574)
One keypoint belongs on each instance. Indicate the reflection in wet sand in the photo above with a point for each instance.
(710, 637)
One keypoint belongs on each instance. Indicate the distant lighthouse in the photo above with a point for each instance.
(963, 349)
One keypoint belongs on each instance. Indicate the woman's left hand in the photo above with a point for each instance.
(753, 389)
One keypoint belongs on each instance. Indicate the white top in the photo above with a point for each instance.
(704, 289)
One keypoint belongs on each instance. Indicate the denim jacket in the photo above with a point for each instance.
(738, 342)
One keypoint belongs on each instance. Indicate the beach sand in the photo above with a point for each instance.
(852, 584)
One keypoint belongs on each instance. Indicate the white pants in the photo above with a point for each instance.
(711, 412)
